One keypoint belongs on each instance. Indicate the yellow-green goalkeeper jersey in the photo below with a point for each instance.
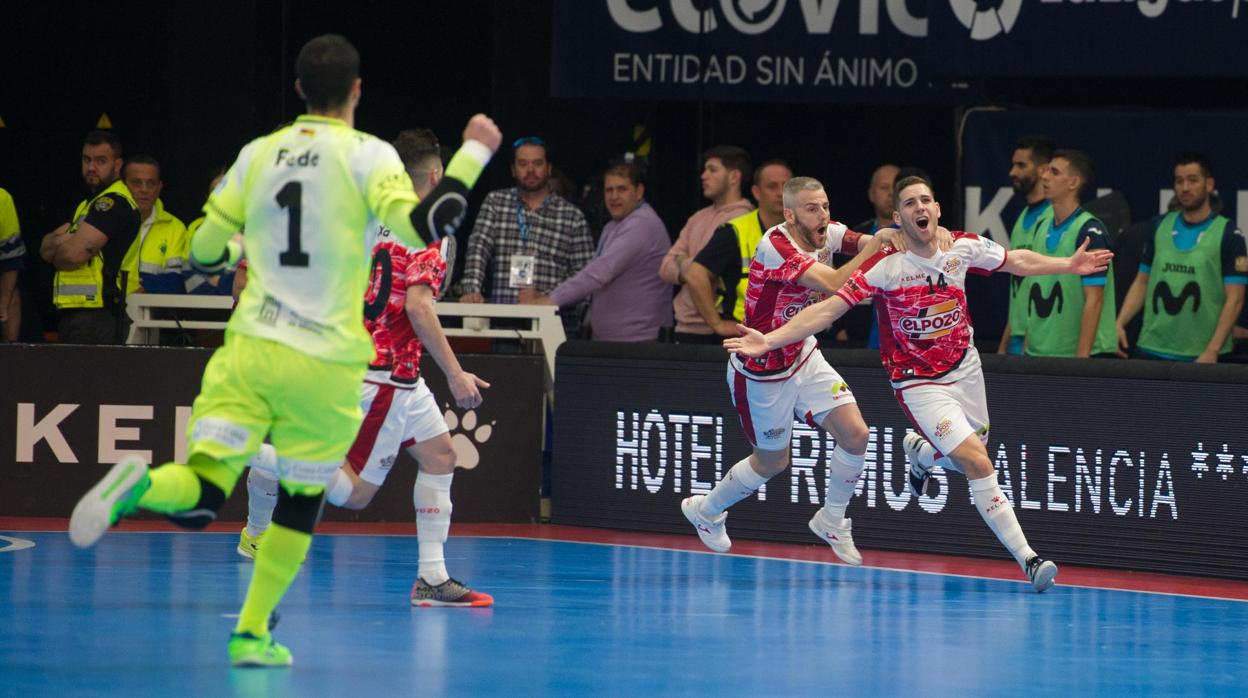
(304, 196)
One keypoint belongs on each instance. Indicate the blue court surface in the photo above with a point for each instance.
(148, 614)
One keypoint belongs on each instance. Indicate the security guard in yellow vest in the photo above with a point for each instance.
(163, 239)
(723, 265)
(95, 250)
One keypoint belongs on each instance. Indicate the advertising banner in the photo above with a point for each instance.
(1142, 474)
(69, 412)
(1083, 38)
(837, 51)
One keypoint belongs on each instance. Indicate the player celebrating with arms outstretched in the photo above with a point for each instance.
(925, 341)
(791, 269)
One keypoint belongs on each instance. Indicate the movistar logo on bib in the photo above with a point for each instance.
(987, 23)
(933, 321)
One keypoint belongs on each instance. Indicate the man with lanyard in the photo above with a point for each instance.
(1031, 154)
(526, 236)
(1068, 315)
(95, 254)
(630, 302)
(1193, 253)
(723, 265)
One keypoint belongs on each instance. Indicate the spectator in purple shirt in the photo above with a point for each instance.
(630, 301)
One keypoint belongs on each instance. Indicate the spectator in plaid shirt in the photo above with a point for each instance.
(526, 236)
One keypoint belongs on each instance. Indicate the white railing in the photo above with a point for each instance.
(152, 312)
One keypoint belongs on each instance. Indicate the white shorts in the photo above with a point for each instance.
(946, 413)
(394, 418)
(767, 407)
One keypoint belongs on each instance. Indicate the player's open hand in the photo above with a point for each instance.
(466, 387)
(890, 236)
(750, 343)
(1085, 261)
(944, 238)
(482, 128)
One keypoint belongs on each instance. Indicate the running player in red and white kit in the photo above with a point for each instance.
(925, 340)
(791, 270)
(400, 411)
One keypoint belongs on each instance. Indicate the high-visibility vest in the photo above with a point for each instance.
(83, 287)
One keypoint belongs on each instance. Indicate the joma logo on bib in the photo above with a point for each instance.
(933, 321)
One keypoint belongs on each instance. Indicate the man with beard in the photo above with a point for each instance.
(722, 268)
(526, 236)
(1031, 153)
(94, 253)
(792, 269)
(928, 350)
(1192, 249)
(725, 175)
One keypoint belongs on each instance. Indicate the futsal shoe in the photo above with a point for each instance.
(248, 545)
(448, 593)
(247, 650)
(918, 478)
(713, 532)
(1041, 572)
(113, 497)
(839, 537)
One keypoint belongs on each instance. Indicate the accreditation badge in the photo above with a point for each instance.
(522, 270)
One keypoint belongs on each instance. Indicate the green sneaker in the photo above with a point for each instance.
(113, 497)
(247, 650)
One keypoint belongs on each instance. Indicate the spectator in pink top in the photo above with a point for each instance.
(725, 174)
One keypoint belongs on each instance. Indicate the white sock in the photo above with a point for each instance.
(844, 471)
(928, 459)
(261, 500)
(740, 482)
(432, 497)
(999, 515)
(339, 489)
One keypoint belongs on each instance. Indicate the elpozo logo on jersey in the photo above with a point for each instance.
(933, 321)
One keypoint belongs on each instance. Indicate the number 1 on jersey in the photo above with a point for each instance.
(291, 198)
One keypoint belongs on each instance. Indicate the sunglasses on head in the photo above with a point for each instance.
(528, 140)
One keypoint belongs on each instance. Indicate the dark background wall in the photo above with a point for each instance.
(191, 82)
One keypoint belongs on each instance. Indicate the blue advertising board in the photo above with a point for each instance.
(972, 39)
(838, 51)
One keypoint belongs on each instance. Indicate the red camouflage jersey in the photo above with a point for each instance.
(920, 304)
(773, 295)
(397, 267)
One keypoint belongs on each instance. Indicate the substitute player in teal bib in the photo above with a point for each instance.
(1031, 155)
(1191, 278)
(1068, 315)
(296, 349)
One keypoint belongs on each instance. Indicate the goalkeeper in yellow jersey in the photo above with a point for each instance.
(296, 349)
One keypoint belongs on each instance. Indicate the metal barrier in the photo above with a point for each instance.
(152, 312)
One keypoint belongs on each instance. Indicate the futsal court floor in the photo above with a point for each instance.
(587, 612)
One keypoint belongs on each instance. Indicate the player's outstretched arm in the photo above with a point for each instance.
(812, 319)
(1082, 262)
(822, 277)
(466, 387)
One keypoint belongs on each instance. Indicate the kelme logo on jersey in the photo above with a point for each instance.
(996, 17)
(933, 321)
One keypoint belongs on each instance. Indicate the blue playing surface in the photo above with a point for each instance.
(149, 614)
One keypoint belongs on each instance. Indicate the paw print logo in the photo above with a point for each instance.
(466, 435)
